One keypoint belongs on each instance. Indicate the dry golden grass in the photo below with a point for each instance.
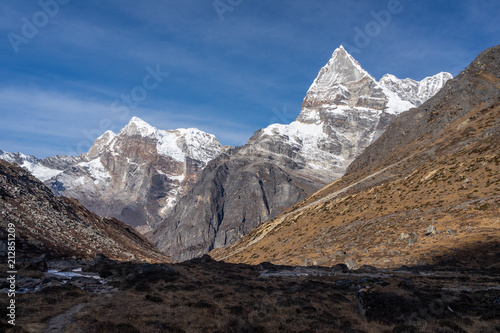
(451, 182)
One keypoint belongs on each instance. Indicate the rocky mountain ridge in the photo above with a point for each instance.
(43, 169)
(415, 92)
(135, 175)
(138, 174)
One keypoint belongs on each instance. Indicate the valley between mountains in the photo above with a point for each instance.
(189, 195)
(376, 210)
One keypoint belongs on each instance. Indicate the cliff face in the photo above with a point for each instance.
(344, 111)
(233, 195)
(427, 190)
(60, 226)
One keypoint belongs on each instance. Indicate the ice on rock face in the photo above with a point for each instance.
(416, 92)
(137, 126)
(342, 68)
(100, 144)
(96, 170)
(107, 137)
(429, 86)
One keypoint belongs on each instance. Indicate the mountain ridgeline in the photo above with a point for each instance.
(189, 194)
(135, 175)
(426, 192)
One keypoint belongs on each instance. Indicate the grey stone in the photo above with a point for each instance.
(343, 284)
(351, 264)
(338, 253)
(431, 230)
(340, 268)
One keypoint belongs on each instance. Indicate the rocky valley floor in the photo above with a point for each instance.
(203, 295)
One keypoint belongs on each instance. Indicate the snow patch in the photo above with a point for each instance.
(39, 171)
(96, 170)
(396, 105)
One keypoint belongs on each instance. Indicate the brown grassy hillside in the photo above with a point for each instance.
(58, 226)
(428, 190)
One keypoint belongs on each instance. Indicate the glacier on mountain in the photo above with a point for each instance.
(43, 169)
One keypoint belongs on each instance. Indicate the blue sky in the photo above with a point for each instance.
(231, 70)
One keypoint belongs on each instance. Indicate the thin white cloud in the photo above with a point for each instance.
(71, 123)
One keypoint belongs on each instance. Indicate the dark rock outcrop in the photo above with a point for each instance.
(235, 193)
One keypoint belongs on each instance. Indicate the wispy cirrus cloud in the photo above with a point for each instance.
(66, 124)
(225, 77)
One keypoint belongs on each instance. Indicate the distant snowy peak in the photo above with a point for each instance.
(178, 144)
(197, 144)
(341, 69)
(137, 126)
(107, 137)
(342, 85)
(416, 92)
(30, 163)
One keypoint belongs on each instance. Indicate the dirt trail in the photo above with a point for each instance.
(58, 323)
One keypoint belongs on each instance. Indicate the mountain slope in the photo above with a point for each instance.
(427, 189)
(61, 226)
(344, 111)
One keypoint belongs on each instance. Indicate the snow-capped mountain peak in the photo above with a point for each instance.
(108, 136)
(100, 144)
(342, 68)
(179, 143)
(137, 126)
(344, 111)
(139, 172)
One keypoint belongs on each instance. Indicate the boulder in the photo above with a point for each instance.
(431, 230)
(340, 268)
